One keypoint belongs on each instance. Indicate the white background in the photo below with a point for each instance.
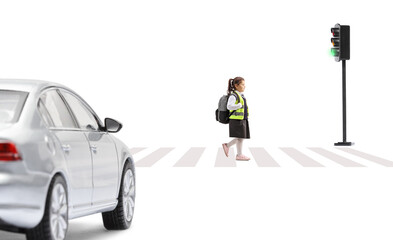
(160, 67)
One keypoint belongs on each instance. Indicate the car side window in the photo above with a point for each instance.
(59, 115)
(45, 115)
(85, 118)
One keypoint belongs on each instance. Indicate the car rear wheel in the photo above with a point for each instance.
(54, 223)
(120, 218)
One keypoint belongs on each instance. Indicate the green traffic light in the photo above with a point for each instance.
(334, 52)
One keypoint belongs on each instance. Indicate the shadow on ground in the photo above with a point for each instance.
(76, 230)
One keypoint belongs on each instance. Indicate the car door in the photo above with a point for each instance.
(74, 146)
(103, 150)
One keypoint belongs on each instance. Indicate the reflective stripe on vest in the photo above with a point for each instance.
(239, 113)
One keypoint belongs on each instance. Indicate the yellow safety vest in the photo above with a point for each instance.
(239, 113)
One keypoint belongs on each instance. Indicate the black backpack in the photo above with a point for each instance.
(222, 112)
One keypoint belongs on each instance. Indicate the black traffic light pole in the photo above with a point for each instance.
(344, 101)
(344, 142)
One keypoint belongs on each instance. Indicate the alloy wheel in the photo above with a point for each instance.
(128, 195)
(58, 212)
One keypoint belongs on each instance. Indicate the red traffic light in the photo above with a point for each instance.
(335, 32)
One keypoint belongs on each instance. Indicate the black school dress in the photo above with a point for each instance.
(240, 128)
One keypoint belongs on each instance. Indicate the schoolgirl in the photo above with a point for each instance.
(238, 121)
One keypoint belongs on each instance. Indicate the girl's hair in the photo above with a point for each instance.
(232, 82)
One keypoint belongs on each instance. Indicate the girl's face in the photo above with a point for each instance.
(241, 86)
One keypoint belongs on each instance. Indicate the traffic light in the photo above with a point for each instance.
(340, 52)
(340, 41)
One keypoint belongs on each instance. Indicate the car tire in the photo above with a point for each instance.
(121, 217)
(54, 223)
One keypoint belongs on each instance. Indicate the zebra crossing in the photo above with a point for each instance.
(266, 157)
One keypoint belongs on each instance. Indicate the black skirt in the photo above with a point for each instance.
(239, 128)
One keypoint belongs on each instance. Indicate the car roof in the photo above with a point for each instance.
(26, 85)
(34, 87)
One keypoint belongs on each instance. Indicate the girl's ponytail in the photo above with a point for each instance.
(230, 86)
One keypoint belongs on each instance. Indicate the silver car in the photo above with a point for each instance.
(59, 162)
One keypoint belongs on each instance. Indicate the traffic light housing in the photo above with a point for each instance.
(340, 41)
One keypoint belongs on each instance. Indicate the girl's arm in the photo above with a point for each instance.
(231, 105)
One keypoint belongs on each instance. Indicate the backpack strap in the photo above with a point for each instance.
(236, 96)
(237, 99)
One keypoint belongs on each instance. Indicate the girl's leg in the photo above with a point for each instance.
(240, 155)
(239, 146)
(233, 142)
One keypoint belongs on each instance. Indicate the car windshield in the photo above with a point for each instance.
(11, 105)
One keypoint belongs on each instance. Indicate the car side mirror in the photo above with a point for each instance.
(111, 125)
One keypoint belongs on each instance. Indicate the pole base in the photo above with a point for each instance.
(344, 144)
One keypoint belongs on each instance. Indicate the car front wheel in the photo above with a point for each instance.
(120, 218)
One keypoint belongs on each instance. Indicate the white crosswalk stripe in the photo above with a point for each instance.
(190, 158)
(208, 158)
(343, 161)
(300, 157)
(363, 157)
(284, 157)
(317, 157)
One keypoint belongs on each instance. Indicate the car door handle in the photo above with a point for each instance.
(66, 148)
(94, 148)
